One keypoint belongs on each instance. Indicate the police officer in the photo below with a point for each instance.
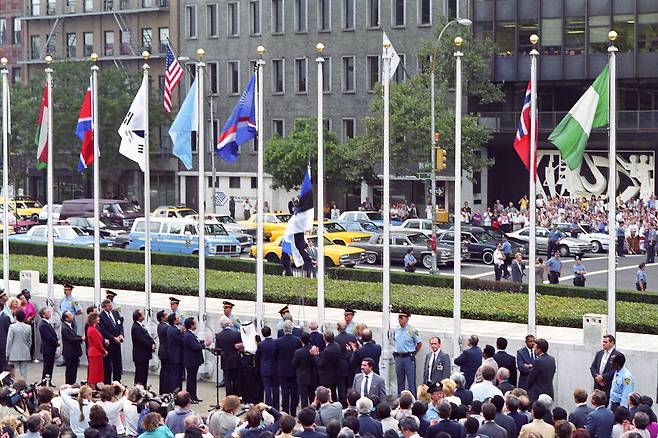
(623, 383)
(554, 237)
(579, 272)
(350, 324)
(285, 310)
(407, 344)
(554, 266)
(228, 312)
(110, 295)
(173, 306)
(69, 303)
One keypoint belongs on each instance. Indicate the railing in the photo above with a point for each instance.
(641, 120)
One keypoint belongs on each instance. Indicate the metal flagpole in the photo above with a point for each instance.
(260, 50)
(147, 191)
(320, 61)
(386, 261)
(612, 187)
(97, 208)
(49, 182)
(6, 126)
(434, 269)
(457, 294)
(201, 142)
(532, 191)
(212, 152)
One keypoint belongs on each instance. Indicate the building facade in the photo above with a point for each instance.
(11, 41)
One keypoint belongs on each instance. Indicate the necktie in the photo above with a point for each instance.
(365, 386)
(109, 314)
(429, 376)
(532, 354)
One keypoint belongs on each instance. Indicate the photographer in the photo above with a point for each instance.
(112, 403)
(193, 425)
(223, 422)
(34, 426)
(255, 424)
(131, 409)
(78, 401)
(9, 399)
(98, 420)
(175, 418)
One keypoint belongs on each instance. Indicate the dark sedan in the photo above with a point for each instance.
(108, 230)
(481, 243)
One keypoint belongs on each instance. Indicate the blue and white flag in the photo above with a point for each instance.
(181, 130)
(300, 222)
(241, 126)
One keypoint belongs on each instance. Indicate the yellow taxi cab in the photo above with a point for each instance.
(171, 211)
(335, 232)
(334, 255)
(273, 223)
(24, 207)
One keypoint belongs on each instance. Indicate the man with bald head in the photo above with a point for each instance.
(368, 349)
(347, 343)
(230, 343)
(317, 338)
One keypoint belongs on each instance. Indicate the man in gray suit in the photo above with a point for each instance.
(437, 363)
(489, 427)
(367, 382)
(325, 409)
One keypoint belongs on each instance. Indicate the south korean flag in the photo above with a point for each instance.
(132, 129)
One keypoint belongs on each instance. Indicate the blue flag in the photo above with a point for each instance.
(181, 130)
(241, 126)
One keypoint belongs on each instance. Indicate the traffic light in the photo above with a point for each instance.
(440, 159)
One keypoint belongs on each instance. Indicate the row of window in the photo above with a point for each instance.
(8, 36)
(70, 6)
(300, 16)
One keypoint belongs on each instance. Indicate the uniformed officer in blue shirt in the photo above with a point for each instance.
(407, 344)
(554, 237)
(69, 303)
(554, 266)
(621, 238)
(350, 324)
(579, 272)
(228, 311)
(173, 305)
(285, 310)
(623, 383)
(641, 277)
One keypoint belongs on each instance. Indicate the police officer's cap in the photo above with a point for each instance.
(228, 304)
(349, 311)
(110, 294)
(3, 293)
(174, 300)
(68, 286)
(436, 387)
(284, 310)
(404, 313)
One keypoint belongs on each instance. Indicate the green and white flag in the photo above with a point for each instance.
(591, 111)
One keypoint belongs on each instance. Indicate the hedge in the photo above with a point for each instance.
(482, 305)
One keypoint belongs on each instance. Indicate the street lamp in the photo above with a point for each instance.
(462, 22)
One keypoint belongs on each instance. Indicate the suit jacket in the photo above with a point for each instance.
(599, 422)
(317, 340)
(265, 357)
(327, 362)
(342, 339)
(469, 361)
(520, 419)
(505, 386)
(608, 372)
(540, 380)
(367, 424)
(284, 350)
(539, 427)
(441, 368)
(71, 343)
(523, 357)
(142, 343)
(328, 412)
(303, 363)
(5, 322)
(369, 349)
(376, 387)
(193, 349)
(492, 430)
(162, 338)
(517, 272)
(507, 423)
(49, 340)
(226, 340)
(579, 415)
(96, 346)
(506, 360)
(174, 345)
(110, 330)
(465, 395)
(309, 433)
(19, 341)
(452, 428)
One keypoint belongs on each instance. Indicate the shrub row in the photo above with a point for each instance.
(419, 299)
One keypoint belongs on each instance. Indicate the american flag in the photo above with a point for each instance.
(173, 73)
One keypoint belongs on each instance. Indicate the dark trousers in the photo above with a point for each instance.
(506, 265)
(141, 373)
(289, 397)
(232, 381)
(162, 378)
(498, 271)
(71, 374)
(306, 394)
(48, 364)
(651, 252)
(271, 387)
(112, 366)
(190, 383)
(341, 388)
(620, 245)
(3, 359)
(175, 380)
(554, 277)
(579, 280)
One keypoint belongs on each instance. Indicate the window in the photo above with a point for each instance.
(108, 48)
(349, 11)
(400, 74)
(326, 125)
(301, 73)
(625, 27)
(36, 8)
(574, 36)
(373, 13)
(348, 129)
(212, 25)
(398, 18)
(233, 19)
(278, 127)
(15, 75)
(233, 182)
(3, 31)
(88, 5)
(373, 72)
(324, 15)
(213, 73)
(278, 16)
(647, 32)
(348, 74)
(527, 28)
(163, 39)
(70, 6)
(17, 30)
(254, 182)
(35, 47)
(125, 42)
(254, 17)
(551, 36)
(326, 75)
(278, 76)
(147, 39)
(300, 15)
(424, 12)
(190, 21)
(599, 25)
(233, 77)
(505, 34)
(50, 7)
(88, 40)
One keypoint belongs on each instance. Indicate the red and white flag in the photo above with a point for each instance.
(42, 133)
(522, 139)
(173, 74)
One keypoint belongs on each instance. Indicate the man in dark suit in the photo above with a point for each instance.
(49, 342)
(465, 395)
(193, 357)
(5, 322)
(317, 338)
(540, 380)
(470, 360)
(111, 327)
(284, 350)
(175, 352)
(513, 403)
(143, 348)
(265, 366)
(437, 363)
(505, 360)
(525, 361)
(579, 415)
(503, 420)
(348, 344)
(327, 363)
(369, 348)
(162, 350)
(601, 369)
(230, 343)
(502, 380)
(306, 374)
(452, 428)
(307, 420)
(367, 424)
(71, 348)
(600, 421)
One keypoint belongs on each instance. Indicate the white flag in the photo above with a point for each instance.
(132, 129)
(395, 59)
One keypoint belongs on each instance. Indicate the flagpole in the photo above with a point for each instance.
(457, 285)
(6, 125)
(260, 50)
(532, 190)
(319, 48)
(201, 145)
(386, 261)
(612, 187)
(147, 191)
(49, 183)
(212, 152)
(97, 208)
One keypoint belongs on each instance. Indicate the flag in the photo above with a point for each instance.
(181, 130)
(300, 222)
(42, 134)
(133, 128)
(522, 139)
(85, 132)
(173, 74)
(395, 59)
(240, 126)
(591, 111)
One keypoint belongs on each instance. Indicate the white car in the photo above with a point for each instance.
(43, 215)
(231, 224)
(422, 225)
(599, 241)
(215, 226)
(567, 245)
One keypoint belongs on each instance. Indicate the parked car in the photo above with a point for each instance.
(374, 216)
(365, 226)
(179, 236)
(18, 225)
(271, 222)
(422, 225)
(108, 230)
(480, 243)
(24, 207)
(62, 235)
(334, 232)
(122, 213)
(599, 241)
(43, 214)
(567, 245)
(215, 228)
(334, 255)
(232, 225)
(171, 211)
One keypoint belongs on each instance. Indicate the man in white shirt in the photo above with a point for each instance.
(486, 388)
(367, 382)
(437, 363)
